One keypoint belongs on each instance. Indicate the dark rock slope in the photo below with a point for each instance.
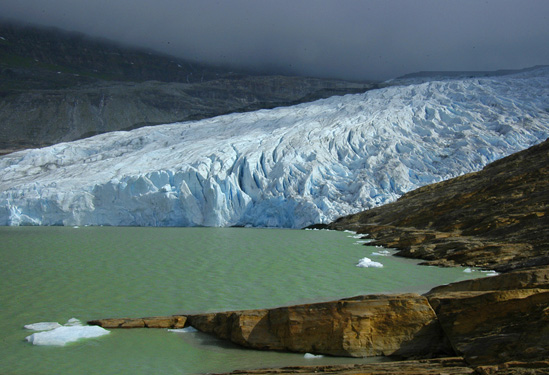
(497, 218)
(57, 86)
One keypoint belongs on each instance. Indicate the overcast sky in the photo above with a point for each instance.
(350, 39)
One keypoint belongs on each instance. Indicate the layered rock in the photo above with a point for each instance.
(439, 366)
(390, 325)
(497, 218)
(497, 319)
(175, 321)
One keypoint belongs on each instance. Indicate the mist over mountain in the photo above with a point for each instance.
(58, 86)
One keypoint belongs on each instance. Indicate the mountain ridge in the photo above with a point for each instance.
(57, 86)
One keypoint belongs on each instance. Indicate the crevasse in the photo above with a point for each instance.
(286, 167)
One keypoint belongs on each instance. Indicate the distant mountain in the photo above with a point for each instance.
(285, 167)
(58, 86)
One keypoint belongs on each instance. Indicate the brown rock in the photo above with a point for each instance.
(515, 368)
(521, 279)
(400, 325)
(497, 218)
(440, 366)
(490, 327)
(175, 321)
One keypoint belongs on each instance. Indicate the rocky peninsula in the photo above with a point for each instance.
(496, 218)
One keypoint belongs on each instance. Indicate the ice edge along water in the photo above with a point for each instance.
(286, 167)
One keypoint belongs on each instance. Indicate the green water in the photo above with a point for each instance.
(56, 273)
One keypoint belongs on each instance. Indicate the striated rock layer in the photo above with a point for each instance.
(497, 218)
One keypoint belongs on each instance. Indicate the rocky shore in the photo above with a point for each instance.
(495, 219)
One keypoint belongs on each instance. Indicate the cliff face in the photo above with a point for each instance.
(57, 86)
(497, 218)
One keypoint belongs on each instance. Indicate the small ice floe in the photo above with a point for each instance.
(312, 356)
(183, 330)
(43, 326)
(76, 227)
(467, 270)
(362, 242)
(54, 334)
(368, 263)
(490, 272)
(382, 253)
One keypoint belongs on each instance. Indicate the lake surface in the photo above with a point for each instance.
(57, 273)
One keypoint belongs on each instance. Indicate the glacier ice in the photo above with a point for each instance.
(285, 167)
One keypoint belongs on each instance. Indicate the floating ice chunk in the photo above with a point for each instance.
(382, 253)
(43, 326)
(490, 272)
(73, 322)
(312, 356)
(63, 335)
(467, 270)
(184, 330)
(367, 263)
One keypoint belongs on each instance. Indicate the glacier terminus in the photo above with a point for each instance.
(286, 167)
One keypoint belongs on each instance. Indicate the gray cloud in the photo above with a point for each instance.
(352, 39)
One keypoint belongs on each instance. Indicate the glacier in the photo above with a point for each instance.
(285, 167)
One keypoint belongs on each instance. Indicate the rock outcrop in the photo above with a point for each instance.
(439, 366)
(495, 322)
(390, 325)
(174, 321)
(497, 218)
(496, 319)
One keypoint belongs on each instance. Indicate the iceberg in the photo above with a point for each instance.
(285, 167)
(368, 263)
(54, 334)
(42, 326)
(312, 356)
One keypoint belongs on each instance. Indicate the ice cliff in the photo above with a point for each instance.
(286, 167)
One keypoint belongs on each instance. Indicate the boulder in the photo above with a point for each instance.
(491, 327)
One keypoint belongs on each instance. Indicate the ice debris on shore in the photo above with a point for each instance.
(286, 167)
(55, 334)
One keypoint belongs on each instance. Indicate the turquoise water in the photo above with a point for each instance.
(57, 273)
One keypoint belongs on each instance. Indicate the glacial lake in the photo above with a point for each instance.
(58, 273)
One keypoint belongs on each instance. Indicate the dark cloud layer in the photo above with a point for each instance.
(352, 39)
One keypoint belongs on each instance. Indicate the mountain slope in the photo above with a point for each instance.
(57, 86)
(286, 167)
(495, 218)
